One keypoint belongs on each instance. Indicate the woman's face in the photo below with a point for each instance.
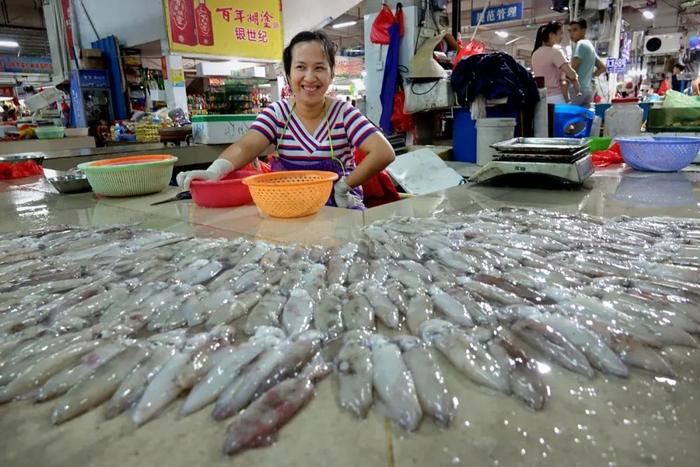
(556, 37)
(310, 74)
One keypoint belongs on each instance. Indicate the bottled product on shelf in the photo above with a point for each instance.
(197, 104)
(234, 96)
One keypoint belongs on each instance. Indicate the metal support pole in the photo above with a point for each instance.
(456, 18)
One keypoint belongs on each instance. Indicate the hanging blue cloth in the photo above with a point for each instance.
(391, 73)
(110, 51)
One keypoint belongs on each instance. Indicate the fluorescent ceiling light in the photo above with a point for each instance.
(344, 25)
(502, 34)
(9, 44)
(648, 14)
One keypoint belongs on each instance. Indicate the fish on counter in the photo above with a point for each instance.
(435, 399)
(394, 384)
(355, 371)
(134, 319)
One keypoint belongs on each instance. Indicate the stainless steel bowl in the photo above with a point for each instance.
(71, 183)
(38, 158)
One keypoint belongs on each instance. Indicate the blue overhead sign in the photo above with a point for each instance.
(498, 14)
(616, 65)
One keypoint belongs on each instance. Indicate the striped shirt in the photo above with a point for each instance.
(348, 127)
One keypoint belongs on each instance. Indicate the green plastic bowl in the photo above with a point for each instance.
(50, 132)
(129, 176)
(600, 143)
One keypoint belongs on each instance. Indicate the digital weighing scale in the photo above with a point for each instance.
(565, 159)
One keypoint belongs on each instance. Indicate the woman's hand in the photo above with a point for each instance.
(234, 157)
(216, 171)
(344, 198)
(572, 77)
(379, 154)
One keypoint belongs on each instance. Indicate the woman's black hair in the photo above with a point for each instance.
(544, 31)
(309, 36)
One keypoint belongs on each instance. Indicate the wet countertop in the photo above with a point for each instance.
(74, 143)
(606, 421)
(65, 159)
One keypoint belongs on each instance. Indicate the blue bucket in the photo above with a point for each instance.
(463, 136)
(572, 121)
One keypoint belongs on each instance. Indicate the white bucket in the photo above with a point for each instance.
(491, 131)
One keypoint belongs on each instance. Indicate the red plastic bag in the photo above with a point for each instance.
(399, 18)
(379, 189)
(401, 121)
(607, 157)
(258, 166)
(19, 170)
(380, 27)
(467, 50)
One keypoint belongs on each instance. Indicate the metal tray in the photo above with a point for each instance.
(71, 183)
(38, 158)
(547, 158)
(541, 145)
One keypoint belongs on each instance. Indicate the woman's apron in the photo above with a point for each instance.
(280, 163)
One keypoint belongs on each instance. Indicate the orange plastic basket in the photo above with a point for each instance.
(296, 193)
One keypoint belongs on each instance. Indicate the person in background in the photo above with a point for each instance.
(585, 62)
(664, 86)
(549, 61)
(310, 130)
(695, 86)
(677, 84)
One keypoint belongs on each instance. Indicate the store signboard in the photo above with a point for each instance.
(349, 66)
(616, 65)
(498, 14)
(15, 64)
(233, 28)
(7, 91)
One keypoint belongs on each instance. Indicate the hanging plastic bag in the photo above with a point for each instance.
(400, 120)
(399, 18)
(472, 47)
(380, 27)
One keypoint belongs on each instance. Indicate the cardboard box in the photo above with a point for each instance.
(91, 59)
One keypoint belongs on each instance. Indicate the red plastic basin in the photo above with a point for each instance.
(228, 192)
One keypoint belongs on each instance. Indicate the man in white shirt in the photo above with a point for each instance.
(585, 61)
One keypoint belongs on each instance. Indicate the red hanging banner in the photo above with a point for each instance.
(68, 24)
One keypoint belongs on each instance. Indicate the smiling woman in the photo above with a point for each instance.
(309, 69)
(310, 131)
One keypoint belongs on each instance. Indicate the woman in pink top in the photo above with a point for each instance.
(549, 62)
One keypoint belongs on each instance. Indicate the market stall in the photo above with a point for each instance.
(511, 300)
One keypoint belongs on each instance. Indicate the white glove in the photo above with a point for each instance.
(216, 171)
(343, 197)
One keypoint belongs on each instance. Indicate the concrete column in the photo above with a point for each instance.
(614, 47)
(175, 86)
